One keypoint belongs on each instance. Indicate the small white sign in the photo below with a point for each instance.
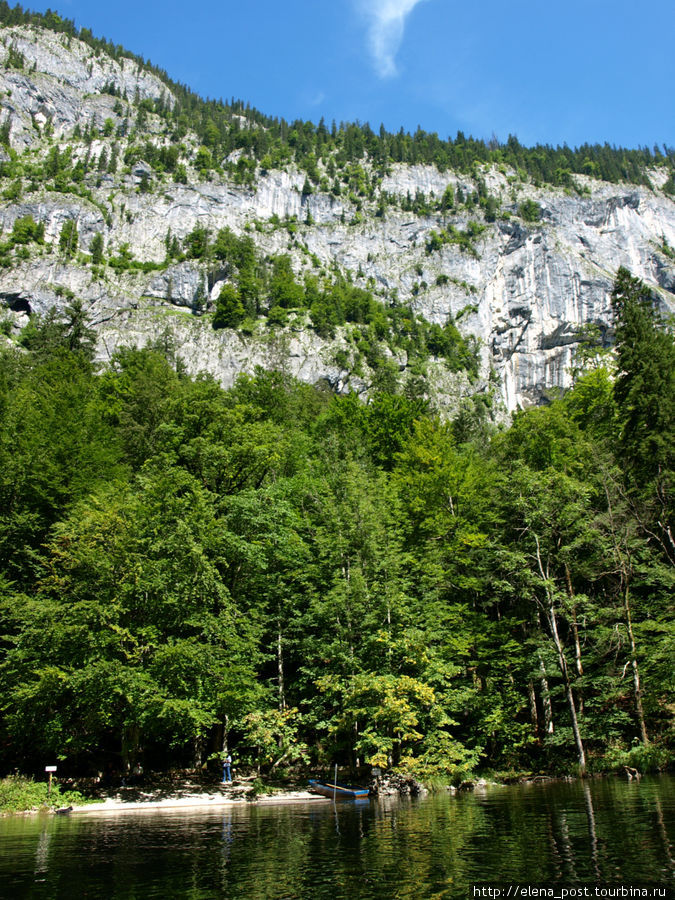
(50, 768)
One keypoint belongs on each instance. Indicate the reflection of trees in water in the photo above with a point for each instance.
(267, 853)
(555, 855)
(667, 846)
(591, 830)
(590, 815)
(567, 849)
(431, 843)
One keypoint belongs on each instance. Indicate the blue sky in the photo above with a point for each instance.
(574, 72)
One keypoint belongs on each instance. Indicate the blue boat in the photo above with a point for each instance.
(337, 791)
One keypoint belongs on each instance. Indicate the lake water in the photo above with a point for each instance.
(605, 832)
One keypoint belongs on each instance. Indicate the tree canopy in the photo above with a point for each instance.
(318, 578)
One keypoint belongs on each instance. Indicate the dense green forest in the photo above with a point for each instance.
(224, 127)
(317, 578)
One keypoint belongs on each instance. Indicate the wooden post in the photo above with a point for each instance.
(335, 783)
(50, 770)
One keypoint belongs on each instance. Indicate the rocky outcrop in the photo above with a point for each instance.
(391, 784)
(65, 82)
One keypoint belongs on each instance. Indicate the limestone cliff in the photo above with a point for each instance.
(526, 289)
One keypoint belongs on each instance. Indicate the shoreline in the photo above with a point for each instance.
(177, 793)
(188, 795)
(201, 800)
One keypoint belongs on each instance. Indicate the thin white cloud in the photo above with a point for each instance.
(317, 98)
(386, 24)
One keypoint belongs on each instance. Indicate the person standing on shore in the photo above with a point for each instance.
(227, 769)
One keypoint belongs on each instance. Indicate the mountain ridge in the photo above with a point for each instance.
(506, 264)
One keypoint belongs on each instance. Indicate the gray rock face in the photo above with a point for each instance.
(183, 284)
(68, 83)
(527, 291)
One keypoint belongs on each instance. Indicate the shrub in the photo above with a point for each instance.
(19, 794)
(230, 311)
(529, 211)
(26, 229)
(650, 758)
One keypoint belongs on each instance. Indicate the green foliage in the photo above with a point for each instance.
(529, 211)
(465, 240)
(20, 794)
(644, 393)
(26, 230)
(490, 207)
(15, 58)
(271, 288)
(230, 311)
(443, 760)
(259, 788)
(196, 243)
(322, 578)
(458, 352)
(96, 249)
(645, 384)
(14, 191)
(124, 261)
(284, 290)
(391, 708)
(645, 759)
(69, 332)
(68, 238)
(204, 161)
(272, 736)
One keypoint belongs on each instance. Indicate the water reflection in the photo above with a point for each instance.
(42, 851)
(592, 831)
(227, 835)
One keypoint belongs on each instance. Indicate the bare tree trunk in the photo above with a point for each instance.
(226, 734)
(562, 659)
(546, 698)
(634, 664)
(562, 662)
(131, 738)
(575, 634)
(624, 568)
(534, 715)
(280, 667)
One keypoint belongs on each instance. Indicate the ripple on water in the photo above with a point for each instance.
(605, 830)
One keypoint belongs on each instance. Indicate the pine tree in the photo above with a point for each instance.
(645, 385)
(645, 397)
(68, 238)
(96, 249)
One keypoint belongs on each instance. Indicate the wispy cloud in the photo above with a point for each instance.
(316, 99)
(386, 24)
